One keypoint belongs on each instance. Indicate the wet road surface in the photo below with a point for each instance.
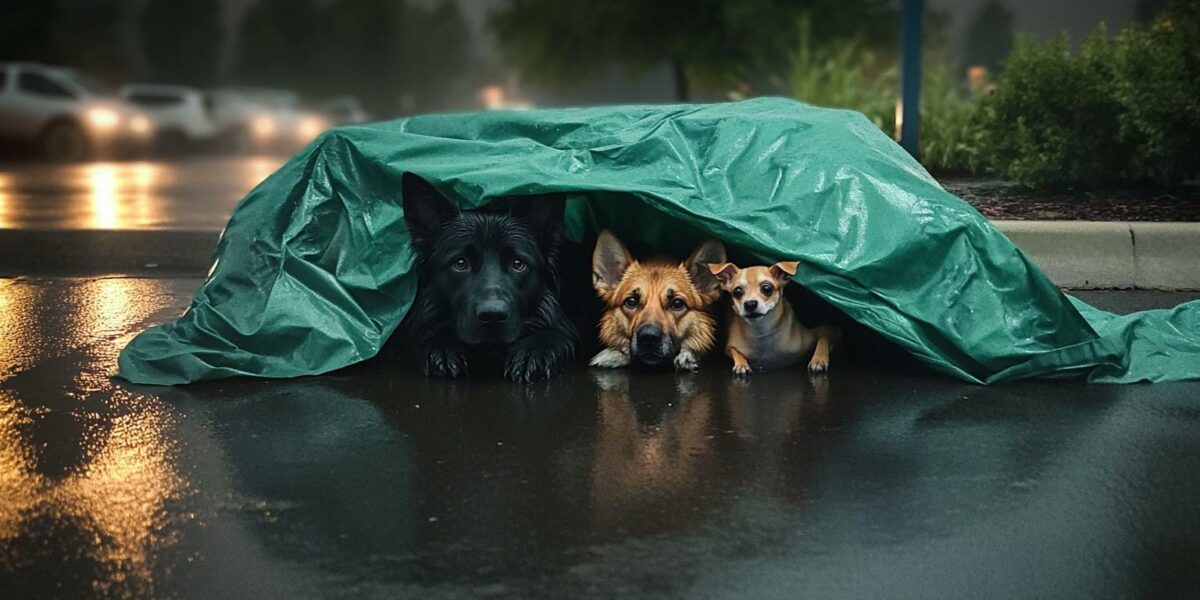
(378, 483)
(195, 194)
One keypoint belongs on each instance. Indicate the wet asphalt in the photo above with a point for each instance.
(873, 482)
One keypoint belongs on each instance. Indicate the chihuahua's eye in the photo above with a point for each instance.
(631, 302)
(518, 264)
(460, 264)
(677, 304)
(738, 292)
(767, 289)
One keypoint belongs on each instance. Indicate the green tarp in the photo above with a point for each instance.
(314, 270)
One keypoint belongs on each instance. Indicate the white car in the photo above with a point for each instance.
(63, 115)
(182, 115)
(265, 119)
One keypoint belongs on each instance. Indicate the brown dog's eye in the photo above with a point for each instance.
(738, 292)
(678, 304)
(460, 264)
(518, 264)
(631, 302)
(767, 289)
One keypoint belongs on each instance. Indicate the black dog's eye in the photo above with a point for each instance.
(738, 292)
(460, 264)
(677, 304)
(631, 302)
(518, 264)
(767, 289)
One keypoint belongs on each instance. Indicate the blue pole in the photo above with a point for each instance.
(912, 12)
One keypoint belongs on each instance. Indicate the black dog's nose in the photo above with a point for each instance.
(649, 336)
(750, 305)
(492, 312)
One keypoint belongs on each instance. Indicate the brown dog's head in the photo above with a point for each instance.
(655, 309)
(755, 290)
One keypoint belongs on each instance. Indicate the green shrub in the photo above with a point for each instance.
(951, 135)
(1158, 88)
(1053, 118)
(843, 74)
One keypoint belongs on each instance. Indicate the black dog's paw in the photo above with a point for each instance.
(444, 362)
(531, 364)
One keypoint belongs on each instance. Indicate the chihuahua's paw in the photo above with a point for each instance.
(610, 359)
(742, 371)
(531, 364)
(444, 362)
(818, 366)
(687, 361)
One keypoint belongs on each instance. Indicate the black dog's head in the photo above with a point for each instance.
(487, 270)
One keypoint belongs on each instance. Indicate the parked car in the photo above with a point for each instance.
(182, 116)
(265, 119)
(344, 110)
(64, 115)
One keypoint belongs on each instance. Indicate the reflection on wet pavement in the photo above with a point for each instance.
(376, 483)
(193, 194)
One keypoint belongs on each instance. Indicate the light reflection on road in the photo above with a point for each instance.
(191, 194)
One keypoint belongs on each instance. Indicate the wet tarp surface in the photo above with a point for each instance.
(314, 270)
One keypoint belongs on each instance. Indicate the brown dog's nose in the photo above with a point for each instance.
(750, 305)
(649, 337)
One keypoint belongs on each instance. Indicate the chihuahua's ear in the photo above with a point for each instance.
(724, 272)
(610, 259)
(708, 253)
(784, 271)
(425, 208)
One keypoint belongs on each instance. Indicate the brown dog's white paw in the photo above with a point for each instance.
(687, 361)
(610, 359)
(742, 371)
(818, 366)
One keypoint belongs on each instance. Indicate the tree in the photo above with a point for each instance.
(181, 40)
(990, 36)
(26, 30)
(709, 44)
(279, 43)
(438, 63)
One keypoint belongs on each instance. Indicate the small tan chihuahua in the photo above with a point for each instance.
(763, 331)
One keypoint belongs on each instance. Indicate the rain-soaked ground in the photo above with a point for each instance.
(870, 483)
(194, 194)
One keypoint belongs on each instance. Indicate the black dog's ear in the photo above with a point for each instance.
(425, 208)
(544, 213)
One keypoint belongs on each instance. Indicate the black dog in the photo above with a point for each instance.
(488, 286)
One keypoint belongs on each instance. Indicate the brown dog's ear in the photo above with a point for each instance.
(425, 208)
(784, 271)
(724, 272)
(610, 259)
(710, 252)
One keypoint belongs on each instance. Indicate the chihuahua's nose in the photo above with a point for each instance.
(492, 312)
(750, 305)
(649, 336)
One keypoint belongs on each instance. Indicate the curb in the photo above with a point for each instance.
(1074, 254)
(1107, 255)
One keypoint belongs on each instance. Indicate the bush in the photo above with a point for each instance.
(1158, 87)
(1053, 118)
(842, 74)
(1124, 110)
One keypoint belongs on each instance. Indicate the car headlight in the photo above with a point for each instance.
(140, 125)
(104, 119)
(310, 127)
(264, 127)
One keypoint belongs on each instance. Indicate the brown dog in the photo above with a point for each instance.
(655, 311)
(763, 331)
